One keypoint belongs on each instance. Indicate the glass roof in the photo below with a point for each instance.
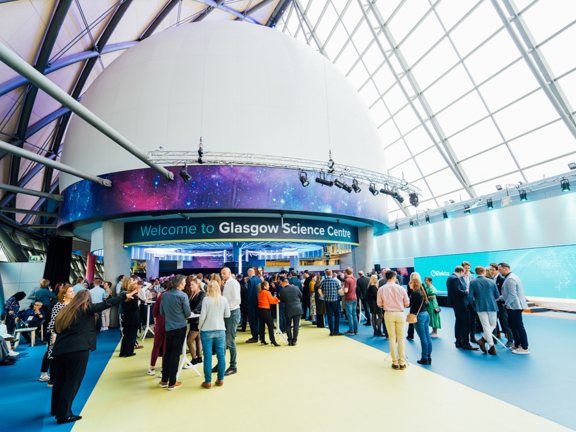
(462, 101)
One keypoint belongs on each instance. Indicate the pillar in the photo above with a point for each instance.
(295, 262)
(90, 267)
(364, 253)
(152, 268)
(237, 255)
(116, 258)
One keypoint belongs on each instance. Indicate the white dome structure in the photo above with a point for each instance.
(243, 88)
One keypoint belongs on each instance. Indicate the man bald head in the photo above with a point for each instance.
(250, 272)
(226, 273)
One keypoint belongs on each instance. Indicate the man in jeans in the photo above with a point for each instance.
(515, 302)
(393, 299)
(175, 307)
(330, 289)
(252, 306)
(350, 302)
(232, 295)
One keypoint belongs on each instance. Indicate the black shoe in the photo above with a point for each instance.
(198, 360)
(215, 369)
(458, 345)
(263, 343)
(469, 348)
(429, 360)
(410, 338)
(194, 361)
(338, 334)
(423, 361)
(130, 355)
(230, 371)
(367, 324)
(473, 340)
(69, 419)
(331, 334)
(275, 344)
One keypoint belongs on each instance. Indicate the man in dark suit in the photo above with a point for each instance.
(502, 311)
(252, 304)
(458, 300)
(362, 292)
(290, 295)
(306, 295)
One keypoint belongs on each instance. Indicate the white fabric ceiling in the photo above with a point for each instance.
(458, 108)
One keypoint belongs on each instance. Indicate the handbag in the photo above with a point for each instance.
(437, 309)
(413, 318)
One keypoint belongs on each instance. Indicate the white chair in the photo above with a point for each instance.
(32, 331)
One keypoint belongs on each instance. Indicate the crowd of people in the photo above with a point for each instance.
(204, 313)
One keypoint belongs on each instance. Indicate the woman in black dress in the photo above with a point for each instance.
(193, 341)
(131, 322)
(377, 316)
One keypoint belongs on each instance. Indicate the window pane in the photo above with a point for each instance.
(388, 133)
(475, 139)
(452, 11)
(555, 51)
(418, 140)
(463, 113)
(395, 99)
(373, 58)
(408, 170)
(358, 76)
(410, 13)
(422, 39)
(396, 154)
(327, 23)
(476, 28)
(568, 85)
(430, 161)
(488, 188)
(547, 17)
(438, 61)
(336, 42)
(406, 119)
(489, 164)
(550, 169)
(362, 37)
(448, 89)
(443, 182)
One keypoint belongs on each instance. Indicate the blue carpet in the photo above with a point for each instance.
(542, 383)
(25, 401)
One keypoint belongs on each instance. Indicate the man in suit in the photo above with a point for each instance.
(467, 278)
(515, 302)
(382, 280)
(483, 295)
(458, 300)
(305, 298)
(290, 295)
(502, 311)
(252, 300)
(362, 292)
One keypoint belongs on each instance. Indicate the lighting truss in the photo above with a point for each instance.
(179, 158)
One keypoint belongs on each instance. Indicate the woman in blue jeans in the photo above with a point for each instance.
(418, 305)
(213, 332)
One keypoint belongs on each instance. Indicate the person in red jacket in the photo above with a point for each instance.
(159, 333)
(265, 299)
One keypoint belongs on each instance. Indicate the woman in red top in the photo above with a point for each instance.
(265, 299)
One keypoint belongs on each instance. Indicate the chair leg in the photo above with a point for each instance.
(33, 337)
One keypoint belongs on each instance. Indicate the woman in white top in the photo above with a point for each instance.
(213, 332)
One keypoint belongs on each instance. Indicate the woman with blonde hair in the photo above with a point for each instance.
(213, 331)
(193, 340)
(419, 307)
(413, 276)
(375, 310)
(75, 337)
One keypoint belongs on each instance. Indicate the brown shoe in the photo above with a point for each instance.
(163, 384)
(139, 347)
(251, 340)
(175, 386)
(220, 383)
(482, 344)
(206, 385)
(402, 367)
(492, 350)
(395, 366)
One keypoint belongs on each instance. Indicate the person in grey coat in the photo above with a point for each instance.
(483, 295)
(290, 295)
(515, 302)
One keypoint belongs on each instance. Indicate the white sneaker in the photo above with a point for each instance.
(521, 351)
(151, 372)
(433, 335)
(13, 353)
(188, 366)
(44, 378)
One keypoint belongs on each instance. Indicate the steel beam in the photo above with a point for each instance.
(158, 20)
(14, 83)
(16, 190)
(19, 65)
(278, 12)
(41, 226)
(41, 201)
(27, 212)
(225, 8)
(256, 8)
(13, 250)
(26, 154)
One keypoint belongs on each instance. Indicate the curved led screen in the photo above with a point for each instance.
(216, 188)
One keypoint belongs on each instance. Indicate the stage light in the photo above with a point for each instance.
(565, 185)
(414, 199)
(523, 195)
(184, 174)
(444, 214)
(427, 219)
(572, 166)
(355, 186)
(396, 226)
(342, 185)
(466, 209)
(330, 162)
(398, 197)
(489, 203)
(498, 187)
(387, 191)
(322, 180)
(200, 152)
(372, 189)
(304, 179)
(411, 223)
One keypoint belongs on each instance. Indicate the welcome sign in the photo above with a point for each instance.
(238, 229)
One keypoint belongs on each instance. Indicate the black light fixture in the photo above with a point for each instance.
(372, 189)
(184, 174)
(396, 226)
(414, 200)
(445, 214)
(342, 185)
(523, 195)
(565, 185)
(387, 191)
(330, 162)
(427, 218)
(489, 203)
(398, 197)
(411, 223)
(466, 209)
(498, 187)
(572, 166)
(355, 186)
(322, 180)
(304, 178)
(200, 152)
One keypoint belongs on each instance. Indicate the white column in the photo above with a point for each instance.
(364, 254)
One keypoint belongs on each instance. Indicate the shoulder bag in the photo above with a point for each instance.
(413, 318)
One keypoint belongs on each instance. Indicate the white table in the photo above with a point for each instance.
(184, 359)
(147, 329)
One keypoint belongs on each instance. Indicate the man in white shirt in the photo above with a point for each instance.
(232, 294)
(119, 284)
(79, 286)
(98, 295)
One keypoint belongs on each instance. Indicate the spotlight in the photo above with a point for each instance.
(411, 223)
(396, 226)
(184, 174)
(572, 166)
(342, 185)
(330, 162)
(414, 199)
(355, 186)
(200, 152)
(322, 180)
(565, 185)
(427, 219)
(466, 209)
(498, 187)
(489, 203)
(304, 179)
(523, 195)
(445, 214)
(373, 189)
(387, 191)
(398, 197)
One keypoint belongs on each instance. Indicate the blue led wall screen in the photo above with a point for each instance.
(545, 272)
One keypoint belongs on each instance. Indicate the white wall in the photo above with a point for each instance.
(549, 222)
(20, 277)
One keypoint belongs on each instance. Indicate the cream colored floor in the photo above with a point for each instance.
(323, 384)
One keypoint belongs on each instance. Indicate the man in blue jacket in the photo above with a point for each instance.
(252, 300)
(458, 300)
(483, 296)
